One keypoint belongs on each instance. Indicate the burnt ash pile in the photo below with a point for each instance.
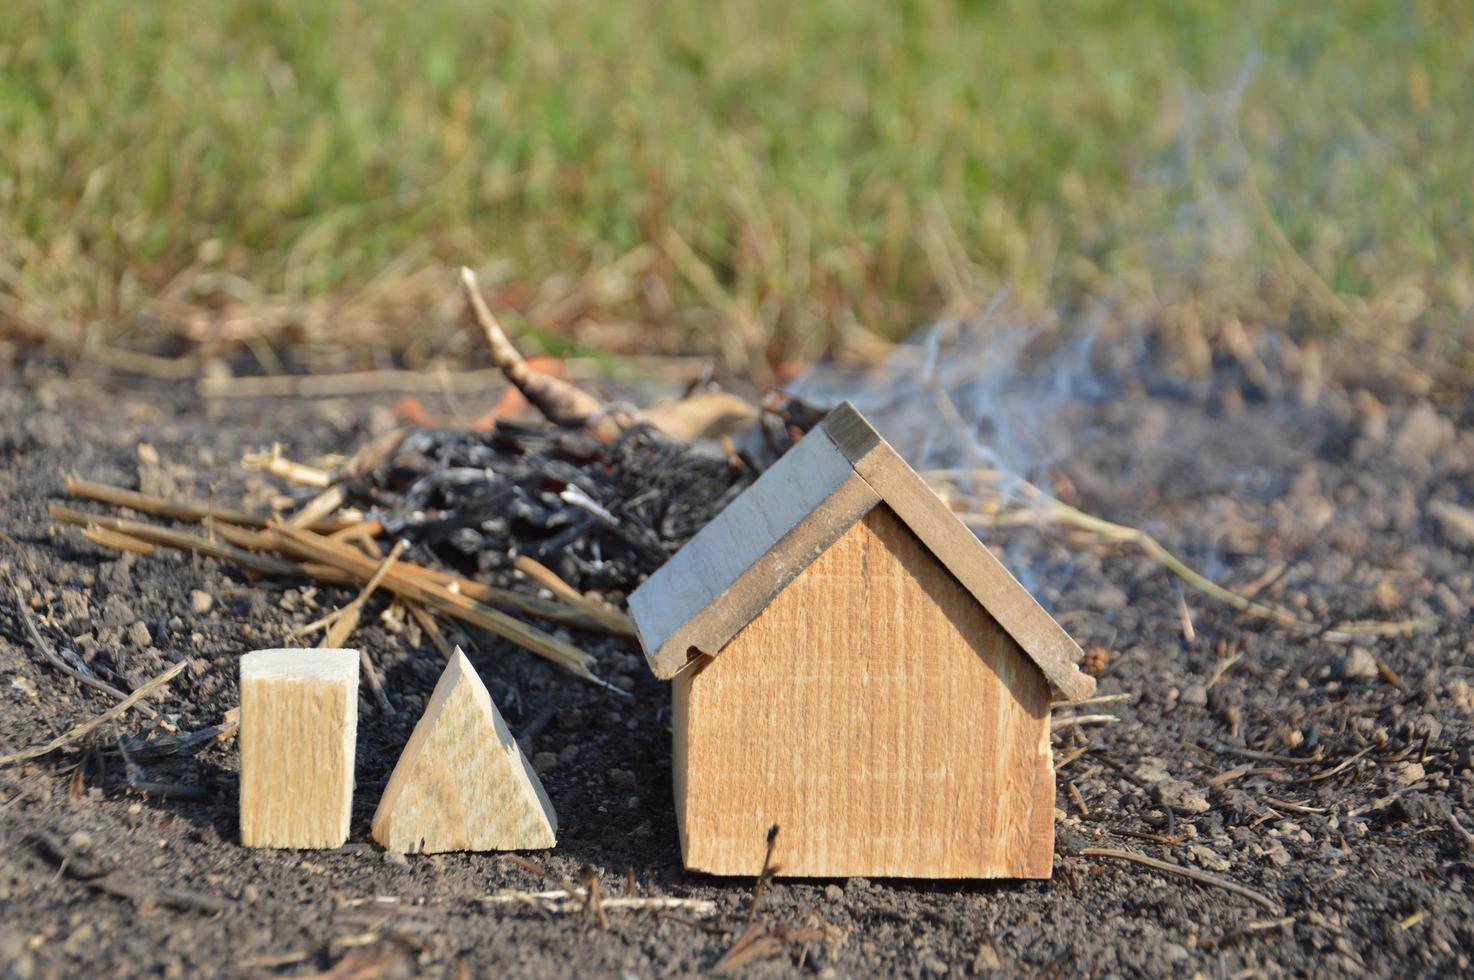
(601, 516)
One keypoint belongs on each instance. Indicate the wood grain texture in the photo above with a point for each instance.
(712, 627)
(956, 547)
(879, 716)
(724, 575)
(462, 784)
(299, 723)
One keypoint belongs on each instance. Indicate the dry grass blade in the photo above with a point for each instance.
(1201, 877)
(91, 725)
(1043, 509)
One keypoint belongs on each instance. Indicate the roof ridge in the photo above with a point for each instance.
(729, 572)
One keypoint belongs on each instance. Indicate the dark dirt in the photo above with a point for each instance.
(1355, 835)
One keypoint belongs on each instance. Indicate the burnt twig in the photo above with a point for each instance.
(765, 875)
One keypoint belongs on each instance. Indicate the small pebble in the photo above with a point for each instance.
(834, 893)
(115, 612)
(138, 634)
(1181, 795)
(1409, 773)
(544, 761)
(200, 602)
(1358, 665)
(1195, 695)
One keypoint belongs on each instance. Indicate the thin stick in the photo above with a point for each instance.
(1339, 768)
(594, 896)
(1097, 699)
(1061, 722)
(54, 659)
(117, 540)
(561, 901)
(431, 628)
(584, 615)
(1221, 668)
(112, 714)
(1465, 838)
(764, 875)
(1202, 877)
(429, 380)
(616, 621)
(336, 633)
(349, 383)
(159, 507)
(1292, 806)
(341, 628)
(181, 540)
(318, 507)
(547, 578)
(371, 528)
(287, 469)
(562, 403)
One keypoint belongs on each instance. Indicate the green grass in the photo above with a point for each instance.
(828, 163)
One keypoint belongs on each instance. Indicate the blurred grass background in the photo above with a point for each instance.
(769, 181)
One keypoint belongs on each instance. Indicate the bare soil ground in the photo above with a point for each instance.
(1334, 779)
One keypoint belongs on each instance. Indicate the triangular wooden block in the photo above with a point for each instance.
(462, 784)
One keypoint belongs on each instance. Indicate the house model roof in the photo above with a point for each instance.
(729, 572)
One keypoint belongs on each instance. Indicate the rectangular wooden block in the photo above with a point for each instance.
(299, 722)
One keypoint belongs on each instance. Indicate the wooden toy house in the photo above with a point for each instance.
(852, 664)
